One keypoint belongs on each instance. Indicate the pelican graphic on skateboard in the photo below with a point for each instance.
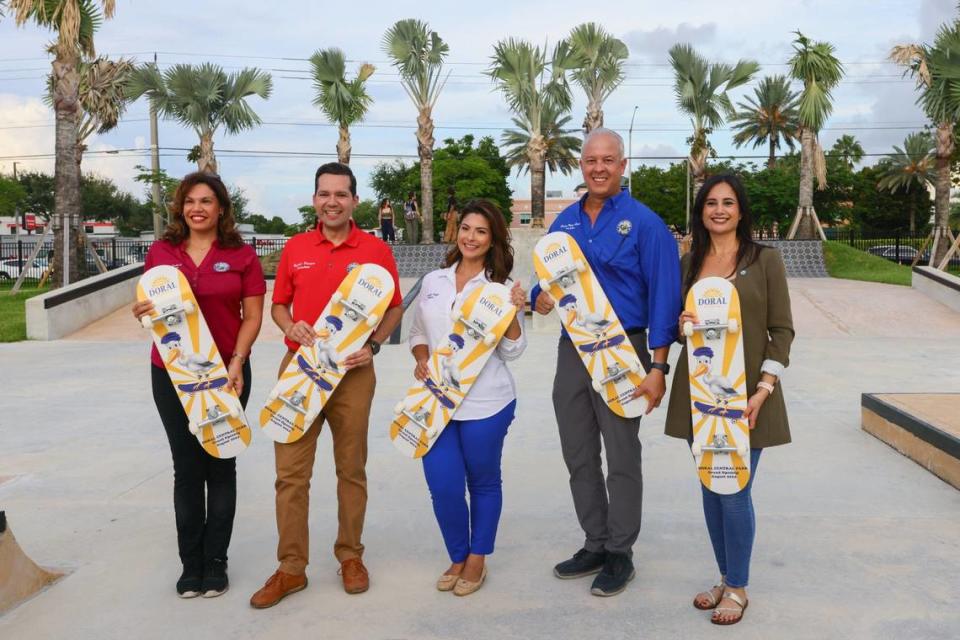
(312, 376)
(718, 386)
(590, 321)
(478, 325)
(214, 413)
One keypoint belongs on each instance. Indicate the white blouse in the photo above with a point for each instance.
(494, 387)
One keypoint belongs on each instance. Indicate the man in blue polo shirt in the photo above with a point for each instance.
(635, 259)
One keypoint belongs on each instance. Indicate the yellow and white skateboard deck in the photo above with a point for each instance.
(718, 386)
(478, 325)
(351, 315)
(191, 358)
(587, 315)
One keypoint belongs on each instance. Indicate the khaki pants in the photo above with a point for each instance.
(348, 413)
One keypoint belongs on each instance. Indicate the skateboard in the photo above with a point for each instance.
(478, 325)
(354, 310)
(718, 386)
(590, 321)
(191, 358)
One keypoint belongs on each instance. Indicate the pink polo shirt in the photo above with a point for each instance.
(220, 283)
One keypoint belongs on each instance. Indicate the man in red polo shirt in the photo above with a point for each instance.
(311, 268)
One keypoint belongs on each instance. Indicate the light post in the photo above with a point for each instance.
(630, 153)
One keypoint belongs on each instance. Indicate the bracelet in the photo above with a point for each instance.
(765, 385)
(243, 358)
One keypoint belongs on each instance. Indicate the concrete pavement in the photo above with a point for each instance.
(854, 540)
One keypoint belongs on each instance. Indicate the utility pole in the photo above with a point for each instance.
(630, 154)
(16, 208)
(155, 167)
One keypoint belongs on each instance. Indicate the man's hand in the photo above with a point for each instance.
(359, 358)
(654, 386)
(544, 304)
(301, 332)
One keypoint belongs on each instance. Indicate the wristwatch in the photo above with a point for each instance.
(374, 346)
(661, 366)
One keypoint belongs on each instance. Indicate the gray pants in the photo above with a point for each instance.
(609, 509)
(413, 231)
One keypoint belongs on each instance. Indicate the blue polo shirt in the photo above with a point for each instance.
(635, 258)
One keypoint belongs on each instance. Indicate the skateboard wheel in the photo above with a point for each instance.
(741, 450)
(597, 386)
(688, 329)
(489, 339)
(372, 320)
(194, 427)
(336, 297)
(579, 266)
(695, 449)
(733, 326)
(146, 322)
(545, 284)
(398, 408)
(188, 306)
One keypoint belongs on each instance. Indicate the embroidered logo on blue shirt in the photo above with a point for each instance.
(624, 227)
(220, 267)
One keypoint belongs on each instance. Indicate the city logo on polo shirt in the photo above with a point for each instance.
(220, 267)
(352, 266)
(624, 227)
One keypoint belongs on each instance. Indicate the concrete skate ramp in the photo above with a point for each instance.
(20, 577)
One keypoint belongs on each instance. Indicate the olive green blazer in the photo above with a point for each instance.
(767, 334)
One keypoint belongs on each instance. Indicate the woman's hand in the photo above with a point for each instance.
(142, 308)
(686, 316)
(753, 406)
(518, 297)
(420, 371)
(235, 375)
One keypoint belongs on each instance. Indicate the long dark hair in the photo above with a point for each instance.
(498, 262)
(178, 231)
(747, 251)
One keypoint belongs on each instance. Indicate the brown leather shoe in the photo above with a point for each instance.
(278, 587)
(354, 575)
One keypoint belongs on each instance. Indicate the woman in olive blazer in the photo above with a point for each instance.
(723, 246)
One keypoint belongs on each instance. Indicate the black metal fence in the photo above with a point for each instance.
(898, 246)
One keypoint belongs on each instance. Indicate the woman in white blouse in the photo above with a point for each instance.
(466, 455)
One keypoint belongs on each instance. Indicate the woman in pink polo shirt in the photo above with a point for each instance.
(227, 279)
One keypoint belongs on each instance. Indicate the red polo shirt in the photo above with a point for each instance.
(220, 283)
(311, 268)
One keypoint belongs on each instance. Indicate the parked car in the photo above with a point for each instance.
(10, 269)
(890, 252)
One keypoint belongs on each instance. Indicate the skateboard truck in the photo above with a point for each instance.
(353, 309)
(295, 402)
(476, 330)
(564, 276)
(711, 330)
(170, 314)
(615, 372)
(419, 418)
(214, 415)
(718, 445)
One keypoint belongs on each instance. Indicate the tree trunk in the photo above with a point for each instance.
(941, 219)
(772, 160)
(594, 117)
(343, 145)
(67, 169)
(698, 169)
(425, 150)
(805, 224)
(208, 160)
(538, 184)
(913, 213)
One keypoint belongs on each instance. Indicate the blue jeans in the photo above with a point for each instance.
(467, 456)
(732, 525)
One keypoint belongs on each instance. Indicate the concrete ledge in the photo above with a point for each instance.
(936, 447)
(939, 285)
(54, 315)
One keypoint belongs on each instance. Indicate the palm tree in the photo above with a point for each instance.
(701, 89)
(343, 102)
(418, 54)
(769, 118)
(561, 147)
(599, 59)
(534, 87)
(814, 64)
(848, 149)
(909, 169)
(937, 70)
(203, 97)
(75, 22)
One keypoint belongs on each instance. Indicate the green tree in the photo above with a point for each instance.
(936, 68)
(597, 68)
(367, 215)
(663, 190)
(204, 98)
(74, 22)
(701, 91)
(769, 118)
(418, 54)
(848, 149)
(909, 169)
(561, 147)
(12, 195)
(533, 85)
(39, 198)
(343, 101)
(814, 64)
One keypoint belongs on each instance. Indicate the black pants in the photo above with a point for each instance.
(204, 487)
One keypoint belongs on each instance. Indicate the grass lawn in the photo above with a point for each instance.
(13, 321)
(844, 261)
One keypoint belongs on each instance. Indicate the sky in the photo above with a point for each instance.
(875, 103)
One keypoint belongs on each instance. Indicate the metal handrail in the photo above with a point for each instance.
(407, 301)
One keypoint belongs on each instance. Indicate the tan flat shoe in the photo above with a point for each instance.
(465, 587)
(447, 582)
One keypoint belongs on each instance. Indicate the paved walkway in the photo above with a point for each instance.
(854, 540)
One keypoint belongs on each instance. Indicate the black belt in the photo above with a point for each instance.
(631, 333)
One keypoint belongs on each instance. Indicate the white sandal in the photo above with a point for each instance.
(738, 600)
(714, 600)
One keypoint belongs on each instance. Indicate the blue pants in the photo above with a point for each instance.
(731, 524)
(467, 456)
